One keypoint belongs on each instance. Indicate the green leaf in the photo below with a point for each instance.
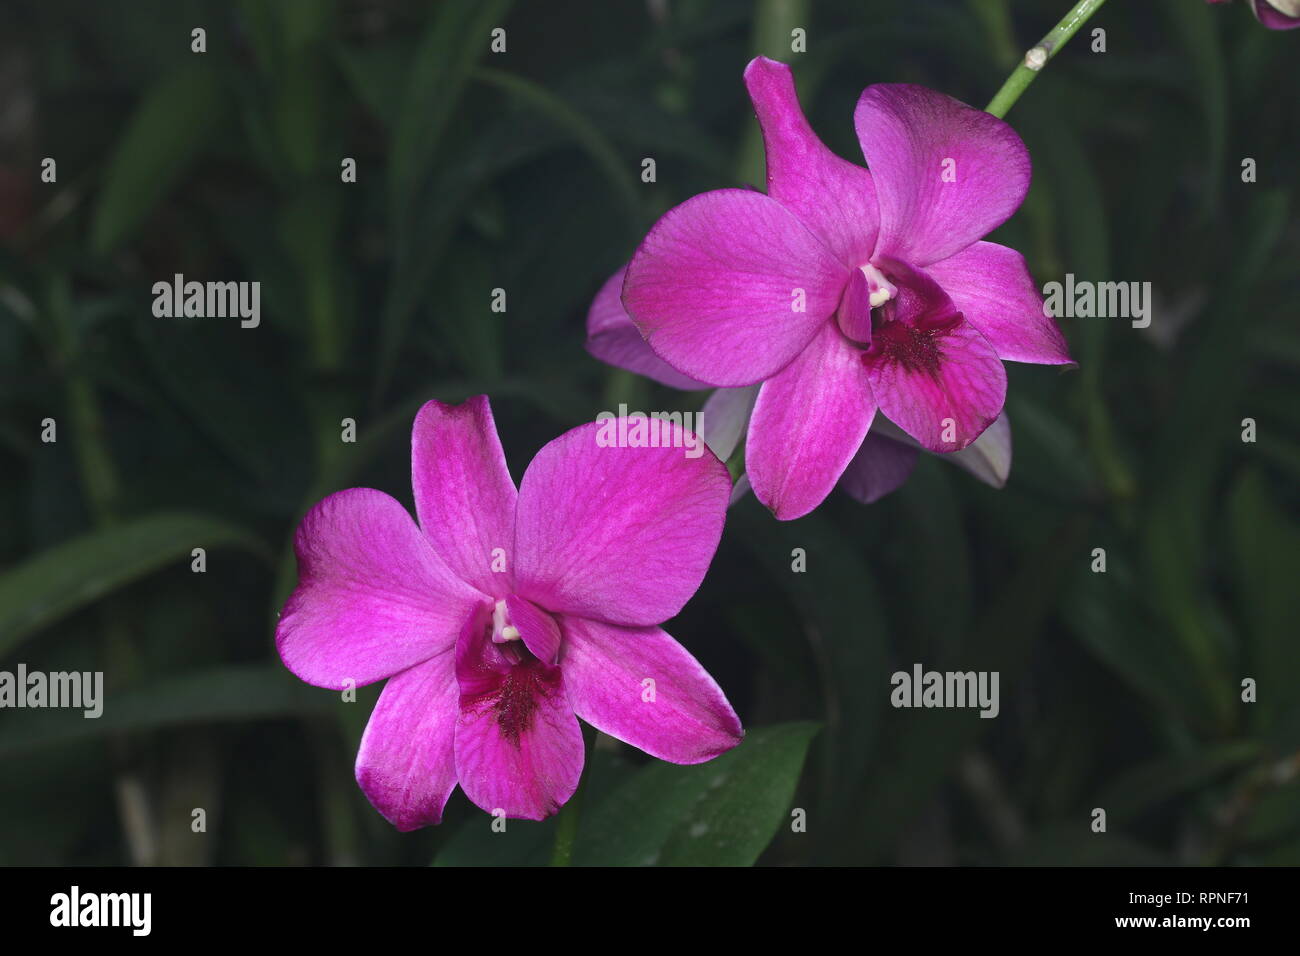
(1275, 816)
(721, 813)
(69, 576)
(1148, 786)
(935, 552)
(168, 131)
(847, 635)
(1195, 27)
(592, 141)
(1218, 354)
(522, 843)
(525, 842)
(230, 693)
(457, 35)
(466, 326)
(435, 212)
(1266, 544)
(258, 20)
(247, 425)
(926, 744)
(1108, 614)
(308, 230)
(375, 75)
(1076, 845)
(1174, 557)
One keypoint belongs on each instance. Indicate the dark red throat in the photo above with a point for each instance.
(515, 700)
(917, 348)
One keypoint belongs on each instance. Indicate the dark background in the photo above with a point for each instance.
(521, 171)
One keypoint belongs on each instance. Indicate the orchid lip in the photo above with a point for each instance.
(863, 304)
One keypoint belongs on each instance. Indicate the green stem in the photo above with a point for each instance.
(1039, 54)
(101, 487)
(94, 462)
(996, 17)
(1116, 476)
(736, 463)
(566, 830)
(773, 22)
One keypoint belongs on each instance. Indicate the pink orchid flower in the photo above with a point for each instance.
(1274, 14)
(505, 615)
(843, 291)
(883, 462)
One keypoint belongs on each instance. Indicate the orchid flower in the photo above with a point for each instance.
(1274, 14)
(883, 462)
(505, 615)
(842, 290)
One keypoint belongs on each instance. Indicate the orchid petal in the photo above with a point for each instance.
(741, 488)
(931, 372)
(641, 686)
(991, 285)
(881, 465)
(612, 338)
(519, 748)
(372, 599)
(730, 286)
(946, 174)
(406, 764)
(725, 417)
(1277, 14)
(538, 630)
(619, 534)
(808, 424)
(464, 494)
(831, 196)
(988, 457)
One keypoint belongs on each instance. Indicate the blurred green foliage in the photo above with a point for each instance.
(520, 171)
